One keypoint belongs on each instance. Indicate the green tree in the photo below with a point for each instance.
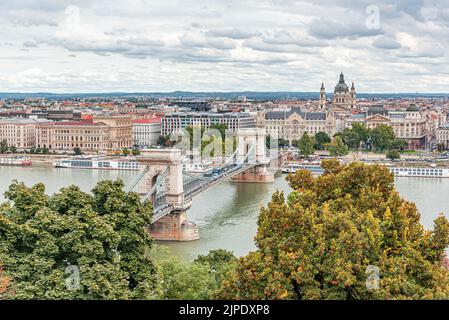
(441, 147)
(349, 137)
(3, 146)
(219, 262)
(323, 242)
(182, 280)
(305, 145)
(135, 152)
(382, 136)
(355, 136)
(282, 143)
(321, 138)
(220, 127)
(393, 154)
(100, 234)
(337, 148)
(45, 150)
(77, 151)
(363, 133)
(13, 149)
(398, 144)
(126, 152)
(198, 130)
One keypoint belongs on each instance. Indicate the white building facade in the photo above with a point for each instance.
(146, 132)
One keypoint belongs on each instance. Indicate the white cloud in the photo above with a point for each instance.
(216, 45)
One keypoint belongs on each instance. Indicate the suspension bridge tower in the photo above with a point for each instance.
(169, 204)
(251, 148)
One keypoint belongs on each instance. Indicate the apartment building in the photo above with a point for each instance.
(68, 135)
(146, 132)
(87, 134)
(410, 125)
(442, 135)
(19, 132)
(120, 130)
(176, 122)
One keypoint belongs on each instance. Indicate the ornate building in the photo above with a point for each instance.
(442, 135)
(410, 125)
(120, 130)
(291, 125)
(67, 135)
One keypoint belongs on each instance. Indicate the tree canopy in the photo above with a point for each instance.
(333, 230)
(393, 154)
(305, 145)
(321, 139)
(3, 146)
(197, 280)
(75, 245)
(337, 148)
(382, 137)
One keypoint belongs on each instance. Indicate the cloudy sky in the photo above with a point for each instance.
(223, 45)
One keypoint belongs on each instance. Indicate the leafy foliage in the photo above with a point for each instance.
(382, 137)
(102, 235)
(321, 139)
(3, 146)
(305, 145)
(197, 280)
(393, 154)
(5, 284)
(356, 135)
(337, 148)
(320, 243)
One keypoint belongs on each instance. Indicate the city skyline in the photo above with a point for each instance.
(223, 46)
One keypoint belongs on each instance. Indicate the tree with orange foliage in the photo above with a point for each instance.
(346, 234)
(4, 284)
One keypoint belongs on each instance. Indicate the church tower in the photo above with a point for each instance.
(344, 97)
(322, 101)
(353, 98)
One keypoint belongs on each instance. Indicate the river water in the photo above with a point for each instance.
(227, 213)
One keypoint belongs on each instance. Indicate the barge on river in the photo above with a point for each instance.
(100, 163)
(15, 161)
(420, 172)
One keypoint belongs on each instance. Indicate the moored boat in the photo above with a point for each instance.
(15, 161)
(100, 163)
(429, 172)
(293, 167)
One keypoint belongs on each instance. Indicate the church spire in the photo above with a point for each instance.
(322, 101)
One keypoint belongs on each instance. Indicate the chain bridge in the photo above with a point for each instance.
(171, 189)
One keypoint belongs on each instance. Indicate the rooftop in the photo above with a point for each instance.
(281, 115)
(150, 120)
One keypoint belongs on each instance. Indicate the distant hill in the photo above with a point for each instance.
(203, 95)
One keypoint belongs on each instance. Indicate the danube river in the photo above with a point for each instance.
(227, 213)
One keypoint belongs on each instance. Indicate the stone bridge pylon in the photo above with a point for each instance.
(251, 147)
(175, 225)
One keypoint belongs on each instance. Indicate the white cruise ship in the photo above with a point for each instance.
(293, 167)
(431, 172)
(15, 161)
(102, 163)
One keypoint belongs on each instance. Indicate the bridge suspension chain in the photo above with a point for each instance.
(139, 178)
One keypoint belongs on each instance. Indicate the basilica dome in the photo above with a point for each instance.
(341, 85)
